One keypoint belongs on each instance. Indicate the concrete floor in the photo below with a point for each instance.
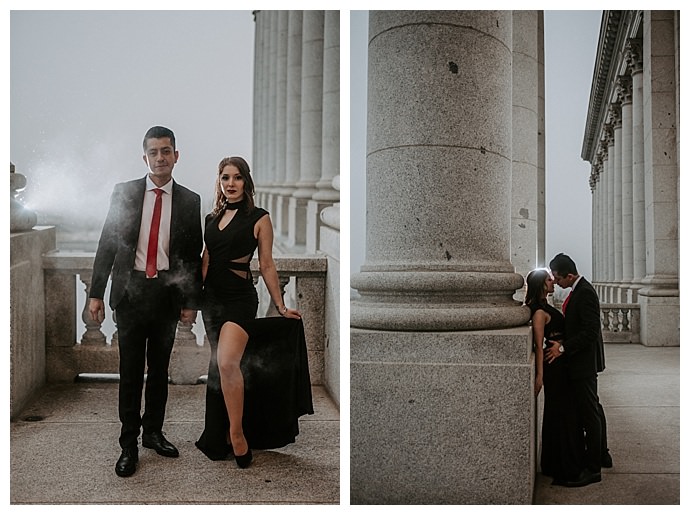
(640, 392)
(68, 456)
(64, 447)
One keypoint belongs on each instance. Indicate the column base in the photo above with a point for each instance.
(437, 301)
(297, 222)
(442, 418)
(659, 314)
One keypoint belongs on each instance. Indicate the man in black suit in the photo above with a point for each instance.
(151, 244)
(583, 351)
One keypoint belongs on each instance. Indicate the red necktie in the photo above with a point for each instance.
(565, 302)
(152, 252)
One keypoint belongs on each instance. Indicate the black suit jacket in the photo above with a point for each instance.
(584, 344)
(118, 243)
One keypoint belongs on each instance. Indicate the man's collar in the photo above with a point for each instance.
(576, 281)
(150, 185)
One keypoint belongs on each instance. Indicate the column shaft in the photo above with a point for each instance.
(432, 245)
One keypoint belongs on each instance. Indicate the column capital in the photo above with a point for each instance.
(633, 55)
(624, 89)
(614, 115)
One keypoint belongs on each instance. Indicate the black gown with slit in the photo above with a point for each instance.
(562, 439)
(277, 386)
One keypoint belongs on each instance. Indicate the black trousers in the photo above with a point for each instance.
(146, 323)
(591, 414)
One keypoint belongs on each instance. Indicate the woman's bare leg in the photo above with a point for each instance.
(231, 344)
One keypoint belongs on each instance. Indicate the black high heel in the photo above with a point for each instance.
(244, 460)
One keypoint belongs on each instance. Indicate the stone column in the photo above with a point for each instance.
(277, 191)
(261, 145)
(525, 180)
(634, 60)
(625, 96)
(330, 134)
(310, 138)
(659, 298)
(617, 201)
(541, 153)
(610, 248)
(269, 172)
(596, 222)
(437, 284)
(293, 117)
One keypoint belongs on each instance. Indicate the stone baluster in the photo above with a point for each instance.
(93, 334)
(272, 310)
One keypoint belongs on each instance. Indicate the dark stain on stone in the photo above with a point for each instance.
(524, 213)
(448, 256)
(482, 150)
(522, 226)
(33, 418)
(452, 67)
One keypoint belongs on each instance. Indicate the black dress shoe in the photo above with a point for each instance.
(127, 462)
(244, 460)
(606, 460)
(158, 443)
(586, 477)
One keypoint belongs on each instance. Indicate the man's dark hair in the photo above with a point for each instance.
(563, 265)
(159, 132)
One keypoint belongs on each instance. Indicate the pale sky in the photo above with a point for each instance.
(86, 86)
(570, 50)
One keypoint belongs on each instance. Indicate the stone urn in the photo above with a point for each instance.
(21, 218)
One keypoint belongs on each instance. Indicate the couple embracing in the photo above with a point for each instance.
(151, 245)
(569, 353)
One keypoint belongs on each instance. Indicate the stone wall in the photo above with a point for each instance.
(27, 320)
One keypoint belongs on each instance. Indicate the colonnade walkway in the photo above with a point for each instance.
(64, 447)
(640, 392)
(65, 444)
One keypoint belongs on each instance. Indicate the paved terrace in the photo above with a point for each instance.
(68, 456)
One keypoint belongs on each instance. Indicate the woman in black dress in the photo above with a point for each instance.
(562, 446)
(258, 379)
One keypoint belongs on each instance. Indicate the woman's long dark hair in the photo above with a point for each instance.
(536, 287)
(245, 172)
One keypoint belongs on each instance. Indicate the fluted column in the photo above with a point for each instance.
(279, 200)
(269, 171)
(437, 283)
(610, 213)
(330, 133)
(625, 96)
(617, 201)
(259, 101)
(634, 59)
(596, 221)
(311, 124)
(293, 115)
(659, 298)
(262, 145)
(525, 180)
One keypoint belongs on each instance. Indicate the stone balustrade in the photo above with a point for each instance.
(71, 352)
(620, 323)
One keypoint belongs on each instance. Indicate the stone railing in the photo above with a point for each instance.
(71, 352)
(620, 323)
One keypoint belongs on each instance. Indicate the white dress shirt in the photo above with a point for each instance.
(162, 258)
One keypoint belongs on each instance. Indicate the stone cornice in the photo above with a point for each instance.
(617, 27)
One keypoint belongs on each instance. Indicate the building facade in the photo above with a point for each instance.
(632, 142)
